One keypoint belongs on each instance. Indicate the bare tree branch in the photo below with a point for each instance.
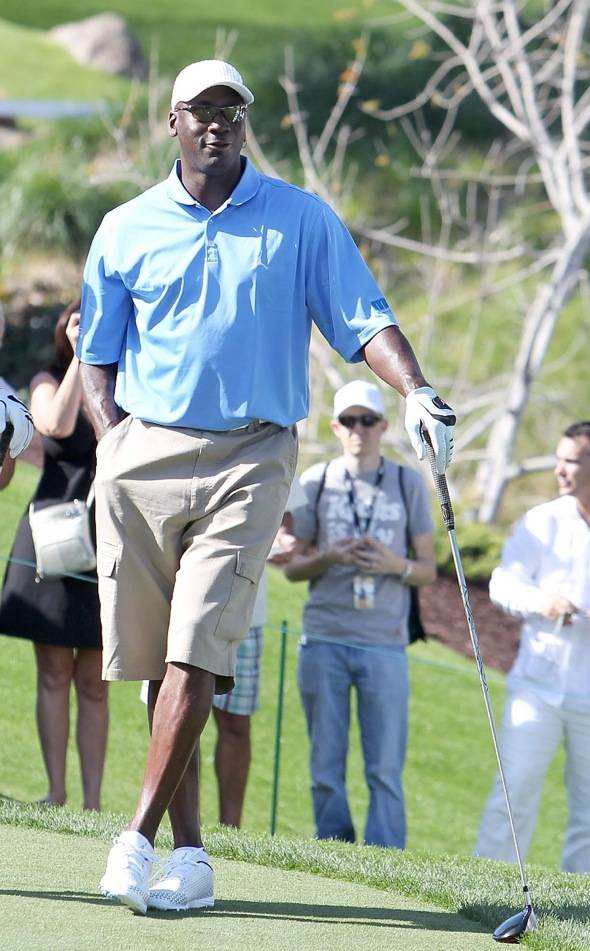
(529, 76)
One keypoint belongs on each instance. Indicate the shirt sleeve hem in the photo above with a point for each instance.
(365, 336)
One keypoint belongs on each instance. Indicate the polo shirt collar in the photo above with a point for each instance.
(246, 188)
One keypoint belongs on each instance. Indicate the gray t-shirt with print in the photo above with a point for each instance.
(329, 613)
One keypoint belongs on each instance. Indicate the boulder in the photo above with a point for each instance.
(103, 42)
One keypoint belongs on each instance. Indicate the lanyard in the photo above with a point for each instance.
(363, 528)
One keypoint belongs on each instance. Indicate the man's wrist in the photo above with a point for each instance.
(108, 423)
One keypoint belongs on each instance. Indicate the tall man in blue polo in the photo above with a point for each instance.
(198, 301)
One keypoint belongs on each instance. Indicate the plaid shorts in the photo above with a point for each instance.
(244, 698)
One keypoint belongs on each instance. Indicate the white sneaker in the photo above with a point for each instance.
(128, 871)
(187, 882)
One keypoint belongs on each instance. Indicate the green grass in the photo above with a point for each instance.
(450, 760)
(186, 31)
(479, 891)
(23, 49)
(257, 905)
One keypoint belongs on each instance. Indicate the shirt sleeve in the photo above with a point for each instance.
(106, 305)
(344, 299)
(514, 586)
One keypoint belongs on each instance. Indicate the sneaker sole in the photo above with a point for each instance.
(163, 905)
(130, 901)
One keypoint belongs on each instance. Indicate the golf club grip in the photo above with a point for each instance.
(5, 441)
(440, 484)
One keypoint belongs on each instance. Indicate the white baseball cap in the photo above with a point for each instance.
(196, 77)
(358, 393)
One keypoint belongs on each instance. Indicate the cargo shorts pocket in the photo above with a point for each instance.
(234, 619)
(108, 558)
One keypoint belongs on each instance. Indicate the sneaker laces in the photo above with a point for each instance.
(180, 866)
(131, 857)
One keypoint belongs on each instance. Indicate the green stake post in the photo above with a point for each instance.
(278, 728)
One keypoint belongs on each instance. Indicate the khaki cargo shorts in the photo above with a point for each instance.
(185, 520)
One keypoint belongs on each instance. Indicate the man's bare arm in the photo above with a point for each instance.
(390, 355)
(98, 385)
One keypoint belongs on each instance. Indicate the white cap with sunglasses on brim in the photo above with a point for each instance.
(197, 77)
(358, 393)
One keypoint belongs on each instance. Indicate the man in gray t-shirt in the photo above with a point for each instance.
(352, 547)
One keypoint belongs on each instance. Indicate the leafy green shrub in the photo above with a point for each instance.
(480, 546)
(55, 209)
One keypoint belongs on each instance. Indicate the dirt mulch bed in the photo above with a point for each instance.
(443, 617)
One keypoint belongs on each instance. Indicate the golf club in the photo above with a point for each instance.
(5, 441)
(514, 927)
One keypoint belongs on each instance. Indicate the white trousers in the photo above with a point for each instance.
(531, 733)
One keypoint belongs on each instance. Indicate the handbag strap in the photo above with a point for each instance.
(89, 499)
(90, 496)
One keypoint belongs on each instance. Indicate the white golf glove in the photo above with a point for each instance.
(13, 410)
(424, 409)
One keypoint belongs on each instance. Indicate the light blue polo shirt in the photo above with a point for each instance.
(208, 314)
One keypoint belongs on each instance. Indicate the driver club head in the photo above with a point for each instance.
(511, 930)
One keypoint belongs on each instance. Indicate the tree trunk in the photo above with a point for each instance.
(538, 329)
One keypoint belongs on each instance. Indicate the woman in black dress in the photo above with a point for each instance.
(61, 616)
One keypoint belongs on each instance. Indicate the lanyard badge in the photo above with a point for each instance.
(363, 592)
(363, 586)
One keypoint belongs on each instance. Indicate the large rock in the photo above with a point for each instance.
(103, 42)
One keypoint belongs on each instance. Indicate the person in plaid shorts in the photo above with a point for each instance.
(232, 711)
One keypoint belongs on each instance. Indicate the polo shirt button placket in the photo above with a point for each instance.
(212, 252)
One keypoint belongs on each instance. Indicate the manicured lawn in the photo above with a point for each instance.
(256, 906)
(22, 49)
(272, 893)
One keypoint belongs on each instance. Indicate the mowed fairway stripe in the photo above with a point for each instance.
(49, 902)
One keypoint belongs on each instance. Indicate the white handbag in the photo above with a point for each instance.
(62, 538)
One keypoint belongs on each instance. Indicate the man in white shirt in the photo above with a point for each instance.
(544, 578)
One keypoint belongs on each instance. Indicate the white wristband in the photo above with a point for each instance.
(407, 572)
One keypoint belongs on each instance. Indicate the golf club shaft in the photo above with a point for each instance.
(5, 441)
(442, 491)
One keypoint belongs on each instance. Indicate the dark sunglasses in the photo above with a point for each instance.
(367, 420)
(207, 114)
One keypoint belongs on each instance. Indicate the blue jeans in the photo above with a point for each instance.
(325, 676)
